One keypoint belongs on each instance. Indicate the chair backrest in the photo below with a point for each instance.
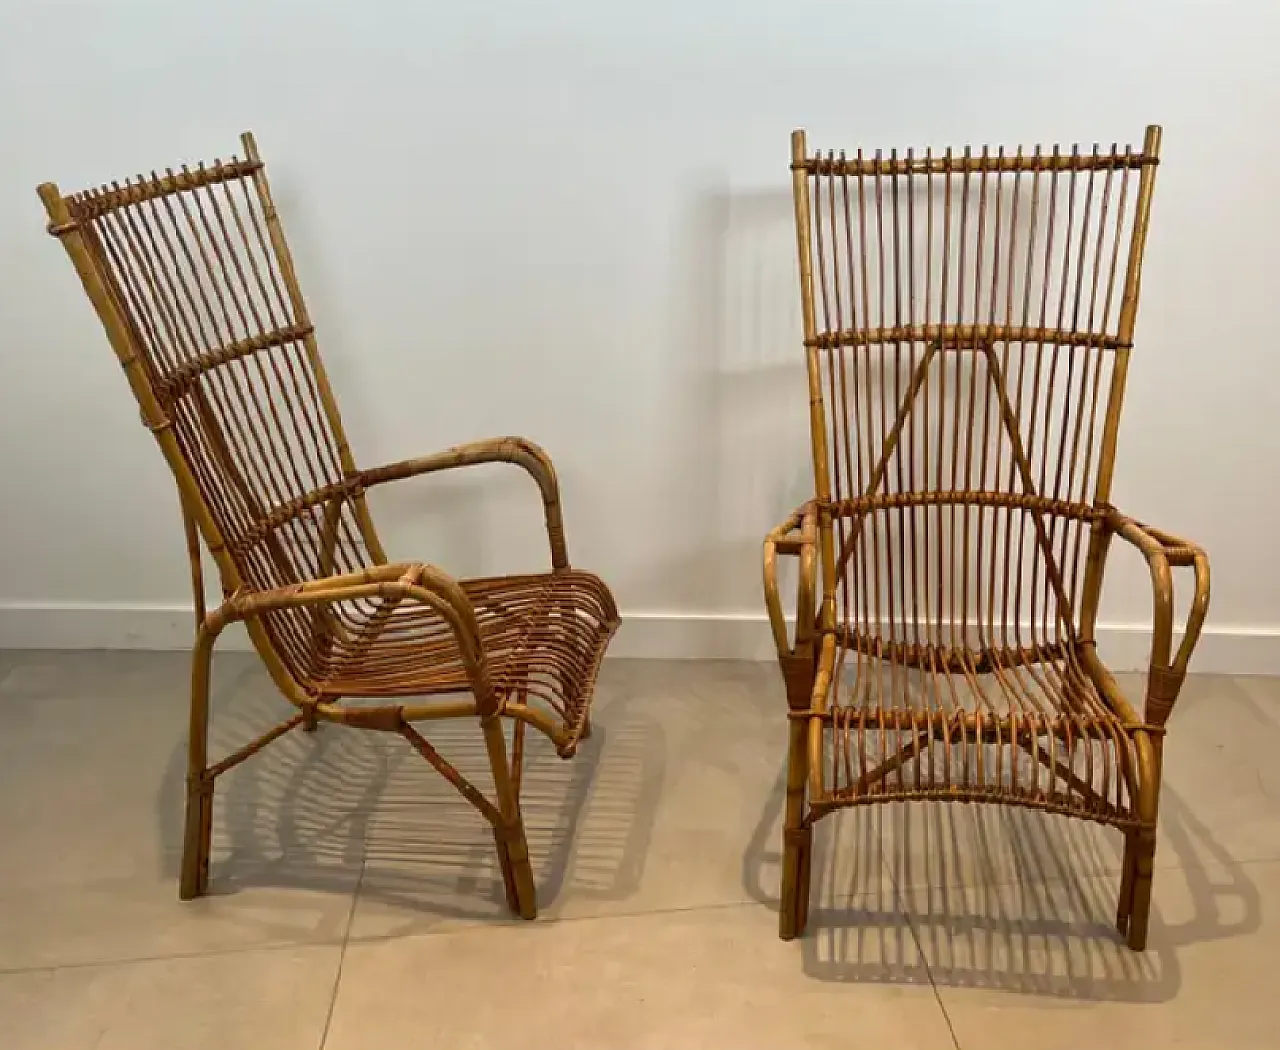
(967, 321)
(193, 281)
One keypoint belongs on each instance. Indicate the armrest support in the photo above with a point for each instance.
(796, 536)
(515, 450)
(391, 583)
(1163, 553)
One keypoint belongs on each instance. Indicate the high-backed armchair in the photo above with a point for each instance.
(968, 320)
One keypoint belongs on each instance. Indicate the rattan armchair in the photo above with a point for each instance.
(192, 279)
(968, 320)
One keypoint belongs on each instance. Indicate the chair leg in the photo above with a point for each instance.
(797, 839)
(1140, 848)
(508, 872)
(513, 847)
(1143, 873)
(804, 882)
(789, 904)
(517, 871)
(194, 879)
(1125, 905)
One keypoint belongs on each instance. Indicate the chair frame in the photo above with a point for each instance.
(392, 584)
(810, 653)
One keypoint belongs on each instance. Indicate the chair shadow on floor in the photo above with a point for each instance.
(339, 808)
(1040, 921)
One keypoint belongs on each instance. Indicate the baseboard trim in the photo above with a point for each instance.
(1226, 649)
(1247, 650)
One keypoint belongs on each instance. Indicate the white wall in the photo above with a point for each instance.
(571, 220)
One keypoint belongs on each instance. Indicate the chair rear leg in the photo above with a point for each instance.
(509, 836)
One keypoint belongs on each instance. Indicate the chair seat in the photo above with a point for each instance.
(1032, 733)
(543, 637)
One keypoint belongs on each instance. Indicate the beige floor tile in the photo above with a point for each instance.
(675, 802)
(657, 860)
(1222, 783)
(713, 977)
(92, 765)
(277, 999)
(1017, 964)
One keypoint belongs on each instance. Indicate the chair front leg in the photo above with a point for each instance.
(799, 672)
(797, 660)
(508, 832)
(1140, 845)
(198, 831)
(797, 837)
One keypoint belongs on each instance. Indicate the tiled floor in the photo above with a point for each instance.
(356, 900)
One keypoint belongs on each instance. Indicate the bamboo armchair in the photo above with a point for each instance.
(192, 279)
(968, 320)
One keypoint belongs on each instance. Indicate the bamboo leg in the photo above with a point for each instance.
(1143, 872)
(797, 838)
(517, 757)
(194, 879)
(804, 882)
(513, 848)
(508, 873)
(1125, 905)
(1144, 841)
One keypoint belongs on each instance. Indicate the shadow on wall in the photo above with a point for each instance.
(737, 460)
(890, 904)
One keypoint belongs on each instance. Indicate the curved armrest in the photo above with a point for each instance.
(797, 536)
(515, 450)
(1164, 552)
(392, 583)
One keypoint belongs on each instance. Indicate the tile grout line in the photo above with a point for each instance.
(472, 928)
(483, 926)
(901, 902)
(138, 960)
(342, 955)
